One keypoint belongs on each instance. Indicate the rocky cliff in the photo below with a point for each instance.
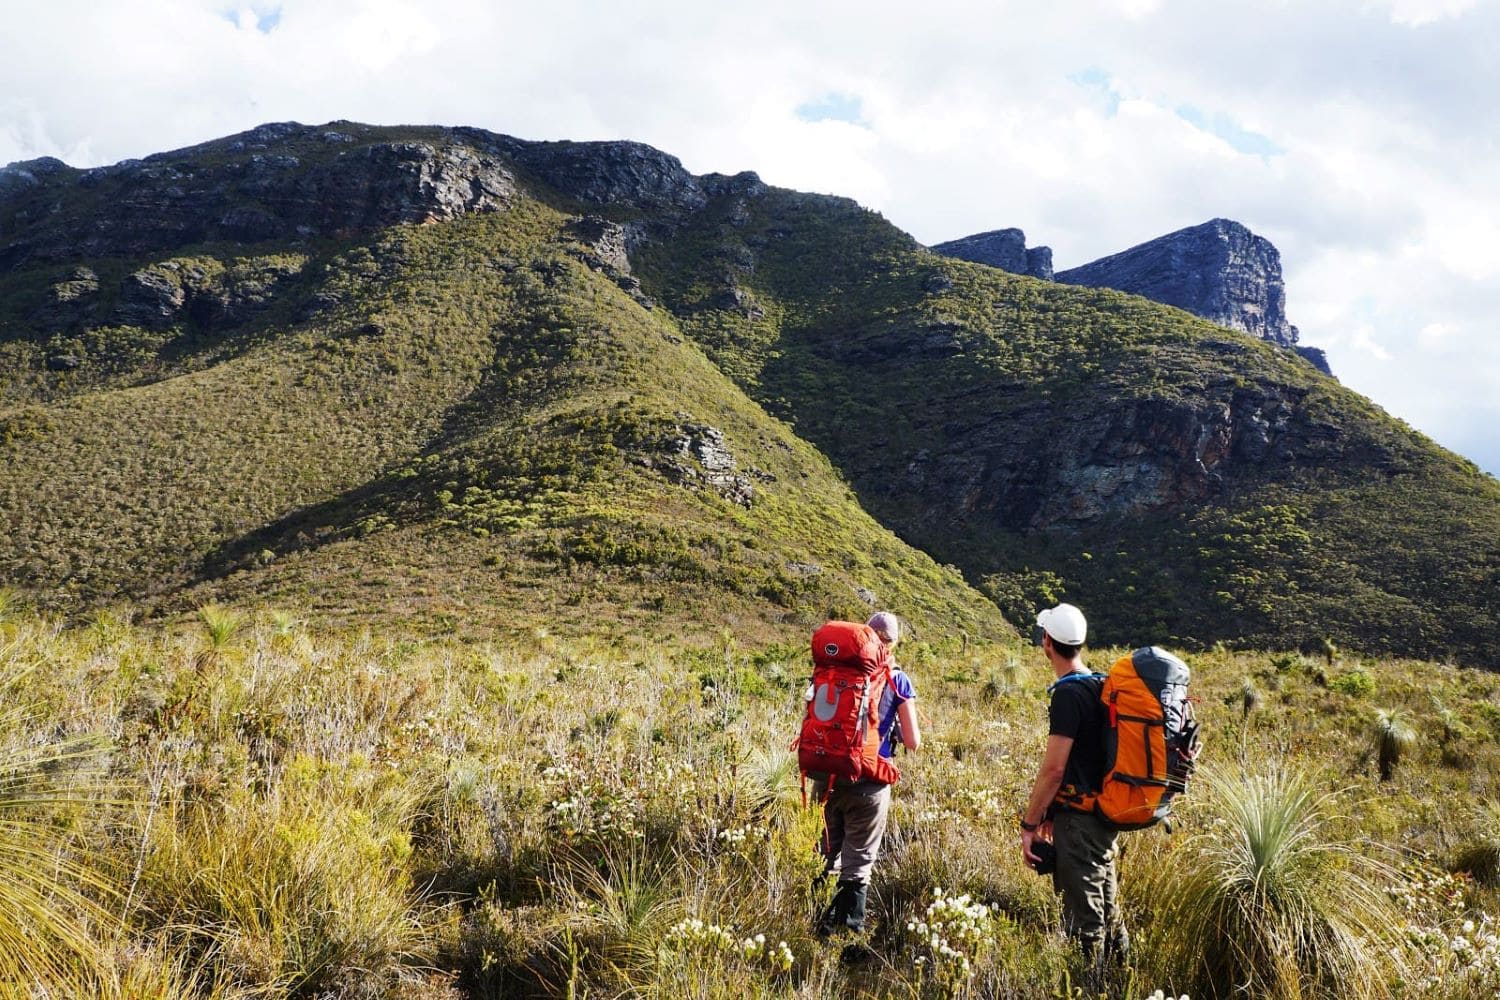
(1002, 248)
(1219, 270)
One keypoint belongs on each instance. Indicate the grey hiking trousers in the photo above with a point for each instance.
(1087, 879)
(854, 825)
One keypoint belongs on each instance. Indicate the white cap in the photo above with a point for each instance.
(886, 625)
(1064, 624)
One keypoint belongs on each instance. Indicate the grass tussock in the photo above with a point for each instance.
(1268, 900)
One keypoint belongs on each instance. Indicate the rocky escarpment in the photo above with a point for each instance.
(1133, 457)
(278, 182)
(1219, 270)
(291, 182)
(1002, 248)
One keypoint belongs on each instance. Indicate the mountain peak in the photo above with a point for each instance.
(1219, 270)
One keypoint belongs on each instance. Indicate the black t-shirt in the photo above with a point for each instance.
(1076, 711)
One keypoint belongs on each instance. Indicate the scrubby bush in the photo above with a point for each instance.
(1355, 683)
(1479, 853)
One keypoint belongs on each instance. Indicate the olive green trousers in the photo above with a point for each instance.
(1087, 879)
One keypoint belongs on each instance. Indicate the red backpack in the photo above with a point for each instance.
(840, 736)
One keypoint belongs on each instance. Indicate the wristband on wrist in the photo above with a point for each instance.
(1028, 827)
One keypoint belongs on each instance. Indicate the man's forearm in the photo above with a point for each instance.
(1043, 791)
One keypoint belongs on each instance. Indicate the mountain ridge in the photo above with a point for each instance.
(1180, 480)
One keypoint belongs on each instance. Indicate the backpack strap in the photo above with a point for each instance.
(1065, 678)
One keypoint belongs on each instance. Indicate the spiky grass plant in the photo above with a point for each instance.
(51, 915)
(1394, 737)
(633, 895)
(1267, 901)
(220, 625)
(297, 890)
(1250, 698)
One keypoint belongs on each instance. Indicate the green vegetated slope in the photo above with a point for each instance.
(1182, 482)
(458, 419)
(223, 369)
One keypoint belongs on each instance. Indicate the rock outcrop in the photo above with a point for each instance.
(1143, 455)
(286, 181)
(1002, 248)
(1219, 270)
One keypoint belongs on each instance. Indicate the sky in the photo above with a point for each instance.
(1359, 136)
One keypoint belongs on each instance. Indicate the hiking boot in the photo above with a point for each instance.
(856, 954)
(846, 912)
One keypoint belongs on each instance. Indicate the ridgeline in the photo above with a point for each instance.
(438, 374)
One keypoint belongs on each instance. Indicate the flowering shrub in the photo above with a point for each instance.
(1462, 958)
(742, 840)
(979, 803)
(591, 806)
(951, 936)
(695, 937)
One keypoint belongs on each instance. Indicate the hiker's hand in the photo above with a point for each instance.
(1029, 837)
(1044, 830)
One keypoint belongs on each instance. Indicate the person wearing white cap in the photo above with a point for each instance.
(1080, 845)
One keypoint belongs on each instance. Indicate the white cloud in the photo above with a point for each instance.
(1065, 120)
(1415, 13)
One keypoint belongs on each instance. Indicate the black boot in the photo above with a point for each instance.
(846, 912)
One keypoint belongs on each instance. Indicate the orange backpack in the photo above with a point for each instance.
(840, 736)
(1150, 743)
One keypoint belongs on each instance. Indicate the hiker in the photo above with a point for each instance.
(1085, 873)
(854, 815)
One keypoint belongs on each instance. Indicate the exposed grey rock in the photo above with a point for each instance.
(152, 297)
(743, 185)
(82, 282)
(267, 185)
(609, 173)
(1039, 262)
(1140, 455)
(937, 283)
(1002, 248)
(608, 241)
(1316, 357)
(1219, 270)
(25, 175)
(804, 569)
(713, 463)
(737, 300)
(902, 343)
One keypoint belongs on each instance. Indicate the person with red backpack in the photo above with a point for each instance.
(1081, 844)
(859, 704)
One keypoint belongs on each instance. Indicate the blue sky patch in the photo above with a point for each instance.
(833, 107)
(266, 17)
(1101, 85)
(1221, 125)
